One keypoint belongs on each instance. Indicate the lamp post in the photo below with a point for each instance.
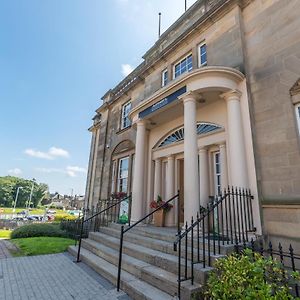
(16, 199)
(31, 192)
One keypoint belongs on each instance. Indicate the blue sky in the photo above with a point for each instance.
(57, 58)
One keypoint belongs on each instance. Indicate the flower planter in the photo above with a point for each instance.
(159, 218)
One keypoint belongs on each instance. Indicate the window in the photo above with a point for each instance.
(185, 65)
(297, 108)
(217, 167)
(113, 176)
(123, 174)
(125, 121)
(202, 55)
(164, 77)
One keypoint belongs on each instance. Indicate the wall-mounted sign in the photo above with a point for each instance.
(162, 103)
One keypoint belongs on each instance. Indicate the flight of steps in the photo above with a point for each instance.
(149, 263)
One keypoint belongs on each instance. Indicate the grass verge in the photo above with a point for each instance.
(5, 234)
(41, 245)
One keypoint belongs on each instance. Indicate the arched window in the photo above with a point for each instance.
(122, 167)
(178, 134)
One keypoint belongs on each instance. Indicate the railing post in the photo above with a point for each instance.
(80, 238)
(120, 257)
(178, 213)
(179, 265)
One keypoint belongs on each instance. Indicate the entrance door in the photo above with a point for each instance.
(181, 191)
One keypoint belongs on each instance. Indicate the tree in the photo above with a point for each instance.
(8, 190)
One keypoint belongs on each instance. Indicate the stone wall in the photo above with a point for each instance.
(272, 35)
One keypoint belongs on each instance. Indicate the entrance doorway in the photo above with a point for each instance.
(181, 191)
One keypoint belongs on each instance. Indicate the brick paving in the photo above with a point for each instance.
(4, 248)
(53, 276)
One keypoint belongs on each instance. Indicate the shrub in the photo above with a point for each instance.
(34, 230)
(65, 217)
(249, 276)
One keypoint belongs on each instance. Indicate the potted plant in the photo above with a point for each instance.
(159, 215)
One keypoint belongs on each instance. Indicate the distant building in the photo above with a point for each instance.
(66, 202)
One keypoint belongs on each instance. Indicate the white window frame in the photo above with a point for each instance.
(119, 178)
(217, 187)
(200, 64)
(179, 62)
(297, 112)
(163, 82)
(125, 121)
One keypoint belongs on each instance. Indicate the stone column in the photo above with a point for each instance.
(204, 176)
(191, 176)
(170, 216)
(157, 178)
(224, 169)
(236, 145)
(139, 171)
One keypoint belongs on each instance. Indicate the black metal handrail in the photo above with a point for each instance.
(97, 220)
(123, 231)
(228, 218)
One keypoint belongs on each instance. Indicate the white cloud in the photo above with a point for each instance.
(58, 152)
(76, 169)
(71, 171)
(15, 171)
(127, 69)
(51, 154)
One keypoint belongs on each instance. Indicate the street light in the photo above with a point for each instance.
(16, 199)
(30, 197)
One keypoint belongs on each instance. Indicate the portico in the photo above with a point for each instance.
(193, 129)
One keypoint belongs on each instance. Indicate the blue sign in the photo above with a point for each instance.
(162, 103)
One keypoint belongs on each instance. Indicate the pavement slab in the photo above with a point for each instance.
(53, 276)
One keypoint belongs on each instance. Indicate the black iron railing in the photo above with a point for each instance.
(123, 231)
(227, 219)
(289, 261)
(108, 211)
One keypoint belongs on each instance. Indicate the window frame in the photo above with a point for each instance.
(125, 117)
(178, 62)
(119, 178)
(163, 83)
(297, 112)
(217, 175)
(200, 64)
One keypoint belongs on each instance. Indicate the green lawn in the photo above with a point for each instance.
(41, 245)
(5, 233)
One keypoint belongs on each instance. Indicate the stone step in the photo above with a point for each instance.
(155, 276)
(157, 258)
(135, 288)
(163, 245)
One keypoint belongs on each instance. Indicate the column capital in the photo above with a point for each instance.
(171, 157)
(141, 122)
(222, 145)
(189, 96)
(202, 149)
(231, 95)
(157, 160)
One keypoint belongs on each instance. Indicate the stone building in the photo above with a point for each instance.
(215, 102)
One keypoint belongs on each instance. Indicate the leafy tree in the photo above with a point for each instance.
(8, 190)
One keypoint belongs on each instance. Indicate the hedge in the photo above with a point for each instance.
(34, 230)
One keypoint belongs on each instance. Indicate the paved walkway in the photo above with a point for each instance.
(53, 276)
(4, 248)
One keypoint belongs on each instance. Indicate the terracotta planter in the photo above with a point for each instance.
(159, 218)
